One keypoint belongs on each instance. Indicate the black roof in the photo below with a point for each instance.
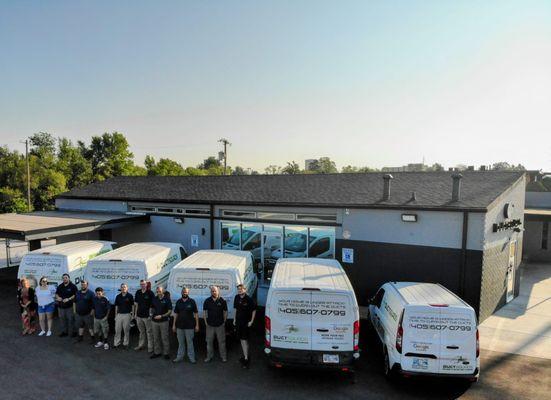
(433, 189)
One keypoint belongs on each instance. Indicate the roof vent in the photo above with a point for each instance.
(456, 189)
(386, 187)
(413, 196)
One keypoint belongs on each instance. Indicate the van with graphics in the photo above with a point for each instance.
(425, 330)
(151, 261)
(312, 316)
(65, 258)
(205, 268)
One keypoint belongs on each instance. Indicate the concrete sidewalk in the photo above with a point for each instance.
(524, 325)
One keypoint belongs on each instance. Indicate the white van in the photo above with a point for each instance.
(131, 263)
(66, 258)
(205, 268)
(425, 330)
(312, 316)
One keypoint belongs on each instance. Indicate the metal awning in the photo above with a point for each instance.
(49, 224)
(537, 214)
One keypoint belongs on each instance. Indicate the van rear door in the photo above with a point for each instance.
(291, 319)
(457, 341)
(333, 320)
(225, 281)
(421, 339)
(191, 278)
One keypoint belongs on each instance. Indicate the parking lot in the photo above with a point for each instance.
(54, 368)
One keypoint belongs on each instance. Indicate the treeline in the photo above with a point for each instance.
(58, 165)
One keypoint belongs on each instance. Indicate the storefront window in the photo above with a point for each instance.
(296, 241)
(231, 236)
(251, 239)
(321, 243)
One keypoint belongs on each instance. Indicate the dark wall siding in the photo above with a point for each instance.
(494, 277)
(376, 263)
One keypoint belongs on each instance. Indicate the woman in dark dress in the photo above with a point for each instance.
(27, 305)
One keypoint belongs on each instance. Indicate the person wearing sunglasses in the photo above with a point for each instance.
(45, 296)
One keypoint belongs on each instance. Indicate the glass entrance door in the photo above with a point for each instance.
(271, 250)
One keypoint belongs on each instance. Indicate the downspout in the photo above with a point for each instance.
(212, 226)
(463, 266)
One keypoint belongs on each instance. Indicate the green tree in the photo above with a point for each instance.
(12, 201)
(109, 156)
(76, 169)
(165, 167)
(272, 170)
(239, 171)
(292, 168)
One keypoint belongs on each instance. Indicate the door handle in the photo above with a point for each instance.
(452, 347)
(322, 330)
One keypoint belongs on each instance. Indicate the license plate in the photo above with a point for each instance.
(331, 358)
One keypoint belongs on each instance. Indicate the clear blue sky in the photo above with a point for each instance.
(378, 83)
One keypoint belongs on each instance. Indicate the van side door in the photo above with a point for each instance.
(375, 313)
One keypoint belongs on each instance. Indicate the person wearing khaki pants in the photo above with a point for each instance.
(215, 313)
(162, 308)
(142, 307)
(124, 302)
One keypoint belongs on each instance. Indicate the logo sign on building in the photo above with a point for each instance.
(348, 255)
(194, 240)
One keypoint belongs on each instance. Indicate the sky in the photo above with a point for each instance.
(366, 83)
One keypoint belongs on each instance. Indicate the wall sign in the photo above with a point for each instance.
(348, 255)
(506, 225)
(194, 240)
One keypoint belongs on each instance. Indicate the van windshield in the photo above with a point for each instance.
(295, 242)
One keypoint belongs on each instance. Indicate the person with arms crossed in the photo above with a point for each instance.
(65, 296)
(245, 312)
(215, 313)
(124, 303)
(186, 323)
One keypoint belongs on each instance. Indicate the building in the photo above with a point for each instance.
(463, 231)
(537, 217)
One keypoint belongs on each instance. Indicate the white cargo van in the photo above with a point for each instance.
(66, 258)
(131, 263)
(425, 330)
(312, 316)
(203, 269)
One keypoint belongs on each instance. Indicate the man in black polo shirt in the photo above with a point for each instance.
(186, 323)
(215, 313)
(162, 308)
(65, 296)
(142, 306)
(124, 302)
(84, 304)
(245, 311)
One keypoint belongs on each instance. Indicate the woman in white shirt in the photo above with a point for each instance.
(45, 297)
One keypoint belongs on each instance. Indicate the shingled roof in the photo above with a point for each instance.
(432, 189)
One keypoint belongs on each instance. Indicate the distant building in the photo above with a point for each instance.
(415, 167)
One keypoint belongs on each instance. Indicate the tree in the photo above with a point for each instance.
(505, 166)
(76, 169)
(272, 170)
(326, 166)
(239, 171)
(12, 201)
(436, 167)
(292, 168)
(165, 167)
(210, 162)
(109, 156)
(42, 145)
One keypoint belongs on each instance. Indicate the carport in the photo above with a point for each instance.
(40, 225)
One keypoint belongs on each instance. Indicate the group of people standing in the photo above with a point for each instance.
(81, 309)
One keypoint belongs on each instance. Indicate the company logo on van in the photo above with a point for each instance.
(170, 260)
(391, 311)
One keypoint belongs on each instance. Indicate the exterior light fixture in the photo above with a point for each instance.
(409, 217)
(179, 220)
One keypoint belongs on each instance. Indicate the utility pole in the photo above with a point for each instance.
(28, 175)
(226, 143)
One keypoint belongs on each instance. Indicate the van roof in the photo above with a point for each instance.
(326, 274)
(69, 248)
(216, 259)
(422, 293)
(137, 251)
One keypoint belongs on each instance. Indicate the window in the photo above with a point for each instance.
(196, 211)
(316, 217)
(378, 298)
(231, 236)
(165, 210)
(321, 243)
(144, 209)
(275, 215)
(182, 253)
(251, 239)
(242, 214)
(545, 235)
(296, 241)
